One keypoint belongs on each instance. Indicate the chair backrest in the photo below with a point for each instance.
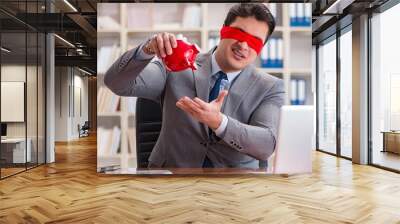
(148, 127)
(86, 125)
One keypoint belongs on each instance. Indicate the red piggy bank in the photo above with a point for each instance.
(182, 57)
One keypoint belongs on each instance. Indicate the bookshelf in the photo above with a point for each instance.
(126, 31)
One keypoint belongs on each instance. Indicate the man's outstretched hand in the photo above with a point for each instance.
(207, 113)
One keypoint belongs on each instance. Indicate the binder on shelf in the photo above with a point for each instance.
(297, 91)
(292, 14)
(272, 54)
(273, 9)
(264, 55)
(301, 91)
(300, 14)
(307, 14)
(280, 53)
(293, 92)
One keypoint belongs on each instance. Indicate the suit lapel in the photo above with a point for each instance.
(238, 90)
(202, 77)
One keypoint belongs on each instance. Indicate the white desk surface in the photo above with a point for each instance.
(13, 140)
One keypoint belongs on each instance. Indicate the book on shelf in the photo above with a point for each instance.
(107, 101)
(279, 53)
(107, 56)
(300, 14)
(136, 14)
(130, 104)
(132, 141)
(272, 54)
(307, 14)
(167, 26)
(107, 22)
(108, 141)
(212, 42)
(297, 91)
(191, 16)
(272, 8)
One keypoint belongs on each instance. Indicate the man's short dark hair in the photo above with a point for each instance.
(258, 10)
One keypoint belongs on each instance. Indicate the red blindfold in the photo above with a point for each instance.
(228, 32)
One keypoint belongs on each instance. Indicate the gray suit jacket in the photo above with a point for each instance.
(252, 107)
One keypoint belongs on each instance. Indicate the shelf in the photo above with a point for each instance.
(303, 71)
(217, 29)
(116, 156)
(271, 70)
(172, 30)
(111, 31)
(109, 114)
(214, 30)
(300, 29)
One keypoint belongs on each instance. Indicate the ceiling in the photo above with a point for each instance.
(75, 21)
(331, 15)
(72, 20)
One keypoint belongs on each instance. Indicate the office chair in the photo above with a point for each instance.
(148, 127)
(84, 130)
(263, 164)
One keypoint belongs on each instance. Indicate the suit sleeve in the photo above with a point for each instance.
(258, 138)
(133, 75)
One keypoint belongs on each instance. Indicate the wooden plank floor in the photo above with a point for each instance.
(70, 191)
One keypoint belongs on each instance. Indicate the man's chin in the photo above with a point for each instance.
(236, 66)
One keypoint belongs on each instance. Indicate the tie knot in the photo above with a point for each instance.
(222, 75)
(220, 83)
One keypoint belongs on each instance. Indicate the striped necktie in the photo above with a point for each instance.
(217, 86)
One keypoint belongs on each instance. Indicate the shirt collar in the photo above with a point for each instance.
(215, 69)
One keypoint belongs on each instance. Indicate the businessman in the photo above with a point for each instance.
(206, 124)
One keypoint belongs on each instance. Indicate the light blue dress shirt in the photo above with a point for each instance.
(231, 77)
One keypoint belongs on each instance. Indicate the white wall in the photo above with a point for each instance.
(33, 125)
(68, 81)
(16, 73)
(61, 103)
(80, 82)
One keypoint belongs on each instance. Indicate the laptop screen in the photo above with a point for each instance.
(3, 129)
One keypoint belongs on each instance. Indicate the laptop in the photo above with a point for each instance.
(3, 131)
(293, 152)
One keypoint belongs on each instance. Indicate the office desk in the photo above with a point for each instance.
(182, 171)
(15, 148)
(391, 141)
